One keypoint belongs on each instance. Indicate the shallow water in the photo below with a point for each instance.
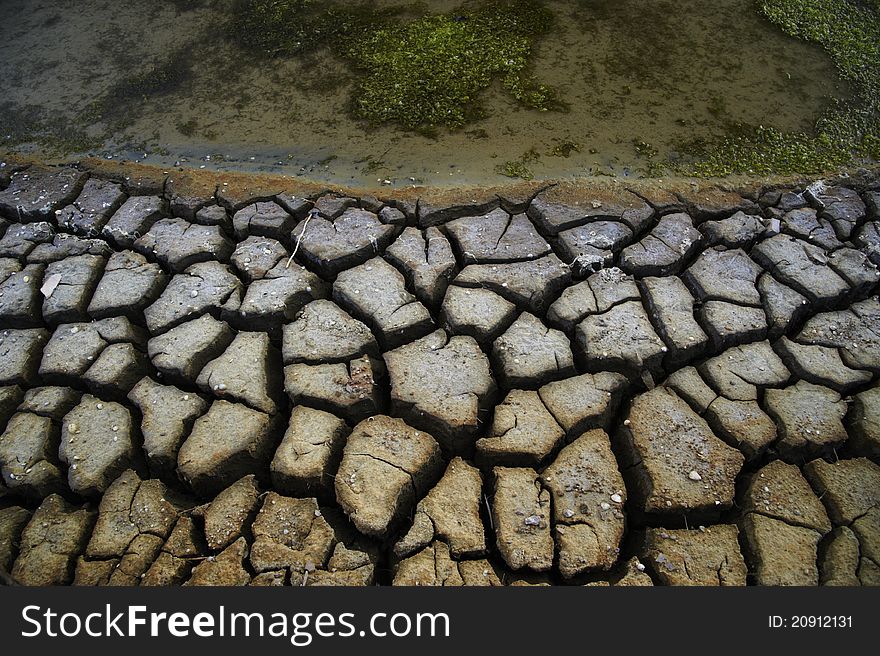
(639, 77)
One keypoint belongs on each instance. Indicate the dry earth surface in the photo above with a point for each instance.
(219, 386)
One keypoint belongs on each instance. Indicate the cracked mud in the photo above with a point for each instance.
(351, 391)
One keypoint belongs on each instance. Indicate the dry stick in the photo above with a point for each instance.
(489, 511)
(299, 240)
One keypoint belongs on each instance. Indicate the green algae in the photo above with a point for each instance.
(159, 78)
(519, 168)
(644, 149)
(115, 109)
(564, 149)
(32, 125)
(290, 27)
(515, 169)
(187, 128)
(431, 71)
(424, 74)
(125, 98)
(849, 31)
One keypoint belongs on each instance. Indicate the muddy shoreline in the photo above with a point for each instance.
(234, 188)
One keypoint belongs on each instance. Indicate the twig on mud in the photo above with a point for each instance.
(300, 238)
(310, 567)
(489, 512)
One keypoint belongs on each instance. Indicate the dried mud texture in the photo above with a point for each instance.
(244, 386)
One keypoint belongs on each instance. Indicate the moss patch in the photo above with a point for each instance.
(849, 31)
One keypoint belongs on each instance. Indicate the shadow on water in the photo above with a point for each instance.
(606, 87)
